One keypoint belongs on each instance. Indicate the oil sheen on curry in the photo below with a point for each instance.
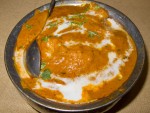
(85, 54)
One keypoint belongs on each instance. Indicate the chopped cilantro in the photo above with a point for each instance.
(46, 74)
(81, 16)
(97, 7)
(92, 33)
(87, 8)
(52, 24)
(45, 38)
(21, 47)
(28, 26)
(43, 64)
(77, 23)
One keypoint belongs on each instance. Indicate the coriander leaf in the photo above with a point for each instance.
(97, 7)
(45, 38)
(46, 74)
(21, 47)
(43, 64)
(81, 16)
(92, 34)
(52, 24)
(28, 26)
(87, 8)
(77, 23)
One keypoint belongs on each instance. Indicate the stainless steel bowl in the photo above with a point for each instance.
(102, 105)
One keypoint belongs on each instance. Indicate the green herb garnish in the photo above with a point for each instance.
(81, 16)
(45, 38)
(43, 64)
(97, 7)
(92, 34)
(52, 24)
(87, 8)
(21, 47)
(46, 74)
(28, 26)
(73, 23)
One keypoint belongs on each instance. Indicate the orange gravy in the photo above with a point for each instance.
(76, 42)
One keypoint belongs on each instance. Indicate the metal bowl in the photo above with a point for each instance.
(102, 105)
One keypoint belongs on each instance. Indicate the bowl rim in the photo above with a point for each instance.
(114, 13)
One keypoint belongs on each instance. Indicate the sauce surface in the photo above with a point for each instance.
(85, 54)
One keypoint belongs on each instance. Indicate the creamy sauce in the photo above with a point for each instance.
(85, 54)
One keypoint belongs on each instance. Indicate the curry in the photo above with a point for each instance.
(85, 54)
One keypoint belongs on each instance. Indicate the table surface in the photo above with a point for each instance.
(136, 101)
